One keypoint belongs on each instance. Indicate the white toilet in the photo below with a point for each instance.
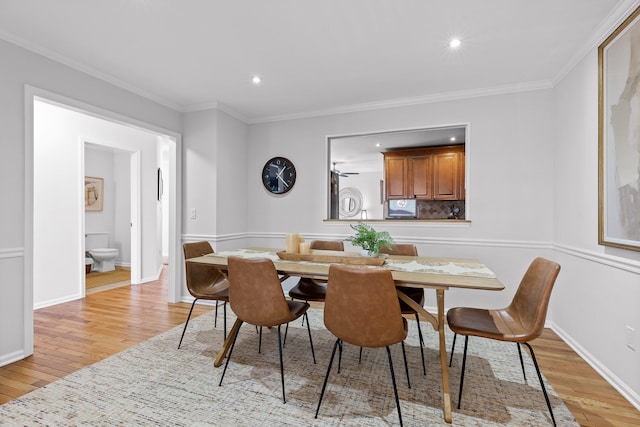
(97, 244)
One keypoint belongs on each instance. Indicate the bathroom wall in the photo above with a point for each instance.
(113, 166)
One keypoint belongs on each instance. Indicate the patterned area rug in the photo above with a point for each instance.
(154, 383)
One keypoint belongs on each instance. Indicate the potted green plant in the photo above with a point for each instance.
(369, 239)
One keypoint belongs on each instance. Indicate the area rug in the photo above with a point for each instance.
(95, 279)
(154, 383)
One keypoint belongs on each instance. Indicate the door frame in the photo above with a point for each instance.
(31, 94)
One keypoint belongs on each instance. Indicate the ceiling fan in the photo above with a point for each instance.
(343, 174)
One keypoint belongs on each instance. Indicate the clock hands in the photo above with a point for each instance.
(279, 176)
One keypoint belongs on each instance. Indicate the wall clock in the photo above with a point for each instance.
(278, 175)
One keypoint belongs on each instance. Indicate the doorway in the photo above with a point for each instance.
(60, 133)
(109, 209)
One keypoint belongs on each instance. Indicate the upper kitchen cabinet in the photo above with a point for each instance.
(425, 174)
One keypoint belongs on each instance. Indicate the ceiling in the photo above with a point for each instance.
(314, 56)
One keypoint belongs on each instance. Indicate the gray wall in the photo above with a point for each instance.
(19, 68)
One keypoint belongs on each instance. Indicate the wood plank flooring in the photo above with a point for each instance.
(73, 335)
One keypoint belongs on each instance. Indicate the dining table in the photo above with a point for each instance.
(439, 274)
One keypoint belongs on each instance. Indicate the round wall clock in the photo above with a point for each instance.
(278, 175)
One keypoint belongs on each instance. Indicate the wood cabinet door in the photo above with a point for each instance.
(396, 177)
(421, 185)
(446, 176)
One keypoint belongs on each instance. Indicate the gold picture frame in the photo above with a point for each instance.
(93, 193)
(619, 136)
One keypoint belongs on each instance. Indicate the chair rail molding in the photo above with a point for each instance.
(629, 265)
(213, 237)
(7, 253)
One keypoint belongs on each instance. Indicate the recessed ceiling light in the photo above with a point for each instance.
(378, 144)
(454, 43)
(256, 80)
(453, 138)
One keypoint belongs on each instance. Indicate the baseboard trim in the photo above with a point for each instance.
(13, 357)
(601, 369)
(56, 301)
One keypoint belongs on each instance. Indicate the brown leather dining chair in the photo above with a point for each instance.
(416, 294)
(520, 322)
(257, 298)
(204, 282)
(362, 309)
(311, 289)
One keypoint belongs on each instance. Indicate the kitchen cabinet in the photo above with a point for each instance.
(425, 173)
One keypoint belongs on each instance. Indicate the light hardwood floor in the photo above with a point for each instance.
(73, 335)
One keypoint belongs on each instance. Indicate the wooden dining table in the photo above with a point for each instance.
(439, 274)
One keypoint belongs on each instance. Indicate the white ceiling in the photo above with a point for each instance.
(314, 56)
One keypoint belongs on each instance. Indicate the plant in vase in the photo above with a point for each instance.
(369, 239)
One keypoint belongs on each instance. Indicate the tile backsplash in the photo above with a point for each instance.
(440, 209)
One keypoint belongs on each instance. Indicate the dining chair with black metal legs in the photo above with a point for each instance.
(310, 289)
(256, 297)
(204, 282)
(520, 322)
(362, 309)
(416, 294)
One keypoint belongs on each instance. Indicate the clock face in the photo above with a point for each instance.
(278, 175)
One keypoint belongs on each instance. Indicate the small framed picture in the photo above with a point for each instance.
(93, 193)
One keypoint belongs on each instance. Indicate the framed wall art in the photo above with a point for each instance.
(619, 136)
(93, 193)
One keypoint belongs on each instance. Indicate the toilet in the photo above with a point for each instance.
(97, 244)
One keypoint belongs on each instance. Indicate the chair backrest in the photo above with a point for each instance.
(200, 276)
(327, 245)
(531, 300)
(361, 306)
(196, 249)
(405, 249)
(255, 292)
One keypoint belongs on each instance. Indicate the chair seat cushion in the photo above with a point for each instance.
(416, 294)
(297, 308)
(494, 324)
(212, 293)
(308, 290)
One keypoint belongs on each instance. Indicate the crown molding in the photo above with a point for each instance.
(216, 105)
(64, 60)
(403, 102)
(606, 27)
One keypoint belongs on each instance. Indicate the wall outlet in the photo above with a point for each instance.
(193, 213)
(631, 337)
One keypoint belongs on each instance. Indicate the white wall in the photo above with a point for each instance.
(232, 179)
(215, 176)
(200, 177)
(598, 291)
(59, 134)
